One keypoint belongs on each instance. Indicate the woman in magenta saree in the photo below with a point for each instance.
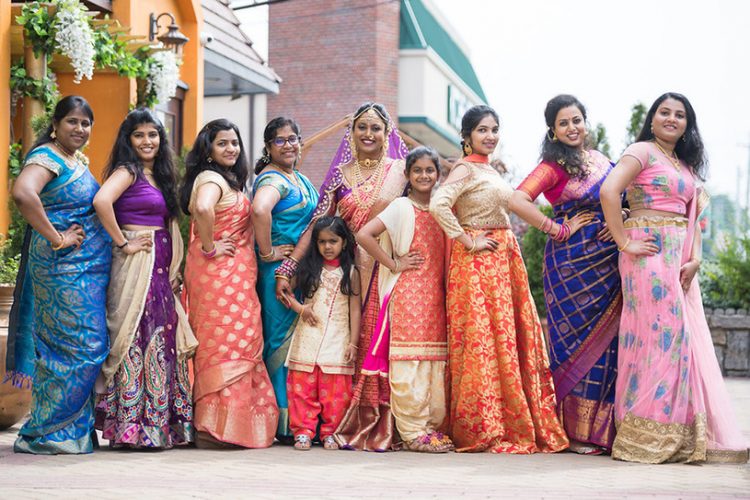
(366, 174)
(581, 280)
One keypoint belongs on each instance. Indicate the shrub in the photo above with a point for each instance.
(532, 247)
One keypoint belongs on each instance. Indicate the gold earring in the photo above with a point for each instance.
(210, 160)
(553, 137)
(468, 150)
(53, 134)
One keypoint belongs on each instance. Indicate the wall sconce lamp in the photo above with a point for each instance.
(173, 39)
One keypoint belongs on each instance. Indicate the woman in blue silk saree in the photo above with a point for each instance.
(60, 338)
(581, 278)
(283, 204)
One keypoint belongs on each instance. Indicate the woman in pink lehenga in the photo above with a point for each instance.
(365, 176)
(671, 403)
(233, 397)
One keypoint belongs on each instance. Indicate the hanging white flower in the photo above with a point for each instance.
(163, 75)
(75, 39)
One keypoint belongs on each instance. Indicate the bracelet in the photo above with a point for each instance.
(354, 345)
(473, 246)
(546, 225)
(59, 245)
(287, 269)
(563, 233)
(211, 254)
(267, 256)
(123, 245)
(622, 248)
(397, 266)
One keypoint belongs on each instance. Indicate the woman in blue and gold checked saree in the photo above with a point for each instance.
(61, 339)
(283, 204)
(581, 281)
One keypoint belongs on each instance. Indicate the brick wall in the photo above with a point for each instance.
(332, 55)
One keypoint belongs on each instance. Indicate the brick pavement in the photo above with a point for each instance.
(281, 471)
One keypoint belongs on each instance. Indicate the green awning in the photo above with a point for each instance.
(420, 30)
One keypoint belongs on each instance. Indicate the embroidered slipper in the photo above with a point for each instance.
(302, 442)
(330, 444)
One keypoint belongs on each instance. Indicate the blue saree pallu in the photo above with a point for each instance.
(582, 293)
(290, 217)
(58, 335)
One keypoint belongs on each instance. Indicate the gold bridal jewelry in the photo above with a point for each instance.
(673, 157)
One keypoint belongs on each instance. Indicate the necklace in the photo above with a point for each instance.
(64, 150)
(673, 157)
(291, 176)
(366, 189)
(421, 206)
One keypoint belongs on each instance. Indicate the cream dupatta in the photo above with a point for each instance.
(396, 240)
(130, 280)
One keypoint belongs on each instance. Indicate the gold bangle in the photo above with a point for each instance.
(59, 245)
(293, 259)
(268, 255)
(627, 242)
(473, 245)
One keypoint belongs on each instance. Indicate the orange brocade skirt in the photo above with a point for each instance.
(502, 395)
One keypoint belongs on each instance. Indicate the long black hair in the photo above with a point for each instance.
(124, 155)
(471, 119)
(416, 154)
(64, 106)
(555, 151)
(689, 147)
(269, 134)
(311, 265)
(197, 161)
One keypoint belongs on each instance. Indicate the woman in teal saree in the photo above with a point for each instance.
(283, 203)
(60, 339)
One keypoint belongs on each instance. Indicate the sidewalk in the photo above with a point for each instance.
(281, 471)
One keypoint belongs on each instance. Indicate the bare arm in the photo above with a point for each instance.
(104, 201)
(355, 312)
(367, 239)
(206, 198)
(264, 201)
(26, 190)
(610, 195)
(690, 268)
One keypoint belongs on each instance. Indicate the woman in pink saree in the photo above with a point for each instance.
(365, 176)
(671, 403)
(233, 397)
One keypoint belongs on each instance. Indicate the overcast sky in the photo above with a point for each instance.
(610, 54)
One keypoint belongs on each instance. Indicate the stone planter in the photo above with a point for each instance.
(730, 331)
(14, 402)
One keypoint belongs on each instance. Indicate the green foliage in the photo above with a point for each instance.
(725, 282)
(15, 159)
(112, 53)
(8, 268)
(599, 140)
(39, 27)
(44, 90)
(635, 124)
(532, 246)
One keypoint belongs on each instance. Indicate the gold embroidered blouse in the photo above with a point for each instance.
(478, 201)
